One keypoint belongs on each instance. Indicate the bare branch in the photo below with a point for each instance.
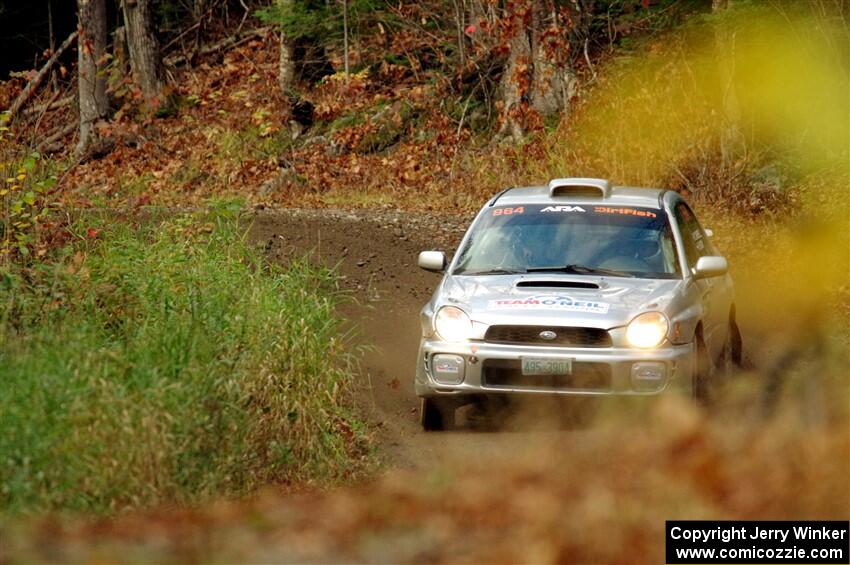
(24, 96)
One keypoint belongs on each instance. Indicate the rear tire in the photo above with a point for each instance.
(436, 414)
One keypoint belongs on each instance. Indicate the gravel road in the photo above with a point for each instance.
(375, 252)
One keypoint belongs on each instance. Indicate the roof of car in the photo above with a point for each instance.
(617, 196)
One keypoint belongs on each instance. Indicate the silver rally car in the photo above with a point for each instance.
(578, 288)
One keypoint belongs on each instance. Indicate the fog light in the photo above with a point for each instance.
(648, 376)
(448, 369)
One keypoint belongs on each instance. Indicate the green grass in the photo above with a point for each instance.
(167, 363)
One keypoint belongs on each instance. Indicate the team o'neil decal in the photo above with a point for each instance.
(549, 302)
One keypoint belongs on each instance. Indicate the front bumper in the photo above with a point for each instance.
(489, 368)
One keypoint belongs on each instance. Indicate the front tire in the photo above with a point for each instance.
(711, 374)
(703, 379)
(436, 414)
(736, 342)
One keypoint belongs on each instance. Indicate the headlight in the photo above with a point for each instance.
(452, 324)
(647, 330)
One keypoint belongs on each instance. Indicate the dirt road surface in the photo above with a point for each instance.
(375, 253)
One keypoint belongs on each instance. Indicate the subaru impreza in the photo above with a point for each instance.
(581, 289)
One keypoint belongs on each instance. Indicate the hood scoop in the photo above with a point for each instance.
(557, 284)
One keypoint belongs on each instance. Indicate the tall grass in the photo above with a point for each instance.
(165, 363)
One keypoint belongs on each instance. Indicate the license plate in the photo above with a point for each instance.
(546, 366)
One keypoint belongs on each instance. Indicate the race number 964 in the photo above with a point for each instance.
(509, 211)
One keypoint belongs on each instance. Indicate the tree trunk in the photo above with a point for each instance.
(345, 37)
(286, 64)
(516, 78)
(144, 50)
(730, 117)
(91, 47)
(553, 81)
(54, 82)
(460, 12)
(119, 50)
(537, 76)
(198, 8)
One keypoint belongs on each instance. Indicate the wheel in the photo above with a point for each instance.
(703, 379)
(736, 342)
(436, 414)
(723, 367)
(711, 374)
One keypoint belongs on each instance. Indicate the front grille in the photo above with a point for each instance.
(508, 372)
(565, 336)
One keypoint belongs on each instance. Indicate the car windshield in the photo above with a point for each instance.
(577, 239)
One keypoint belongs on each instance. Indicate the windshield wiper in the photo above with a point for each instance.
(581, 270)
(490, 272)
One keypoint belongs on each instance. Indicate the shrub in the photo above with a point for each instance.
(27, 192)
(167, 363)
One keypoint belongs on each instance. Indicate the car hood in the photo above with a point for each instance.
(555, 300)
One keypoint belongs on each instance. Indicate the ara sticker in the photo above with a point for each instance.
(549, 302)
(563, 209)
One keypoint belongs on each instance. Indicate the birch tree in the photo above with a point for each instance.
(286, 64)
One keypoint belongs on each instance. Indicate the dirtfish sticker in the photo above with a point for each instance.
(549, 302)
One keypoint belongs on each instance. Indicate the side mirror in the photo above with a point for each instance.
(708, 232)
(432, 261)
(710, 267)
